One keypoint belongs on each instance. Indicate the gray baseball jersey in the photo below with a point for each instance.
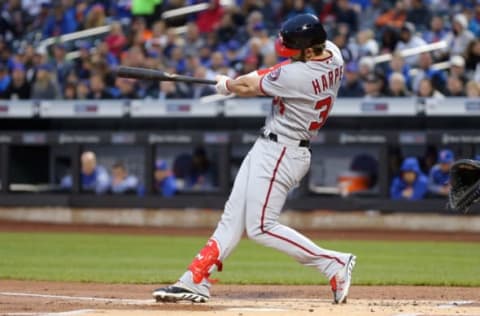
(304, 94)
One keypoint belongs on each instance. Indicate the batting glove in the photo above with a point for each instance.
(221, 85)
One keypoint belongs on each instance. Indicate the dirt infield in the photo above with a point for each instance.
(27, 298)
(37, 298)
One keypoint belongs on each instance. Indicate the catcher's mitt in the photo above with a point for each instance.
(465, 184)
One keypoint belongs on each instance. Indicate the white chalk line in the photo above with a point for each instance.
(455, 304)
(69, 313)
(256, 309)
(82, 298)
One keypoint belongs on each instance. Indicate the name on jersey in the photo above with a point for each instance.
(327, 81)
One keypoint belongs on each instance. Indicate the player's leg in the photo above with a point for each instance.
(194, 285)
(269, 183)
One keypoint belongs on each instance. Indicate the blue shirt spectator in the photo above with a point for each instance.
(60, 22)
(5, 78)
(439, 176)
(411, 184)
(165, 182)
(93, 177)
(121, 181)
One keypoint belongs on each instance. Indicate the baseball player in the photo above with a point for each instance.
(303, 92)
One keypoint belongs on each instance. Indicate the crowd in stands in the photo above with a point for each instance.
(232, 40)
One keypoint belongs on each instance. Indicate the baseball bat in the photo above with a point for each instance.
(152, 74)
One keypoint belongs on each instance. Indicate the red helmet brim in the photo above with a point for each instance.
(284, 51)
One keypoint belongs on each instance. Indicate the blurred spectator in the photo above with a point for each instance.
(125, 89)
(474, 25)
(201, 174)
(366, 66)
(419, 14)
(193, 40)
(246, 32)
(226, 29)
(408, 39)
(201, 90)
(472, 89)
(61, 21)
(19, 87)
(5, 78)
(83, 90)
(439, 175)
(397, 64)
(372, 86)
(13, 20)
(95, 17)
(425, 71)
(217, 62)
(472, 60)
(294, 7)
(426, 89)
(371, 13)
(44, 87)
(345, 14)
(116, 40)
(437, 31)
(164, 180)
(70, 92)
(411, 184)
(33, 7)
(93, 177)
(97, 89)
(351, 86)
(459, 37)
(60, 63)
(454, 87)
(366, 44)
(209, 20)
(457, 68)
(168, 90)
(260, 35)
(341, 41)
(121, 181)
(394, 17)
(42, 16)
(389, 39)
(83, 65)
(397, 86)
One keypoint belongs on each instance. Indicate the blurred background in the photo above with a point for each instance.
(71, 134)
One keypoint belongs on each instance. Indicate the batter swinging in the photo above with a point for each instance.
(304, 91)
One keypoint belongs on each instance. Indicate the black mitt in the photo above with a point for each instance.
(465, 184)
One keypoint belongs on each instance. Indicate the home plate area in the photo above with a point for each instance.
(27, 298)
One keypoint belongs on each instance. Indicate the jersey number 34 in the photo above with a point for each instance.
(324, 107)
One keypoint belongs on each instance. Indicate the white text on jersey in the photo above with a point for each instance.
(328, 81)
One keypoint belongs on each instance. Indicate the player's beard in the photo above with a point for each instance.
(300, 57)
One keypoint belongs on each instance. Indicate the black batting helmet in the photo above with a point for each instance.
(300, 32)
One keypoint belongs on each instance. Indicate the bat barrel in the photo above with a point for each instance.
(152, 74)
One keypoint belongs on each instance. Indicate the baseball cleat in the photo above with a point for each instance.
(341, 281)
(174, 293)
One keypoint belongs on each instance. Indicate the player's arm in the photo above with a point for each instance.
(244, 86)
(247, 85)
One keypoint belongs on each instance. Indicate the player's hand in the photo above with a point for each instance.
(221, 86)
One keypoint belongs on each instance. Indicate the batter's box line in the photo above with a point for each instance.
(77, 312)
(82, 298)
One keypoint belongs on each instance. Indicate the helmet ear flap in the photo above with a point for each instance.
(284, 51)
